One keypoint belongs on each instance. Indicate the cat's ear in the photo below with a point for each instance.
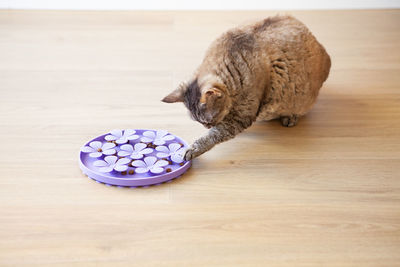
(175, 96)
(210, 94)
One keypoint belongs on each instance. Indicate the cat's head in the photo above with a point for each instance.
(206, 99)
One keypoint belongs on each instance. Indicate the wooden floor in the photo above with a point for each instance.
(324, 193)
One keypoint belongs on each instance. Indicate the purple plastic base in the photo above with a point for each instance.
(139, 186)
(125, 179)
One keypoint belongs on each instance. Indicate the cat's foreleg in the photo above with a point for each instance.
(220, 133)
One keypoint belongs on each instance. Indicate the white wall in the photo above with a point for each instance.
(197, 5)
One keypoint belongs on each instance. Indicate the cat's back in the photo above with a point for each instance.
(280, 27)
(285, 37)
(268, 31)
(277, 34)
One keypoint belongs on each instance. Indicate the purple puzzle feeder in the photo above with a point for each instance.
(134, 157)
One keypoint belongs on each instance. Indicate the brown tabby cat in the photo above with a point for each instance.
(269, 70)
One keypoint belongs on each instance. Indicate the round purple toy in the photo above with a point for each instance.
(134, 157)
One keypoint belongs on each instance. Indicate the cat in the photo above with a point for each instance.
(272, 69)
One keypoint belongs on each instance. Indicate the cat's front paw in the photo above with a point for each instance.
(192, 153)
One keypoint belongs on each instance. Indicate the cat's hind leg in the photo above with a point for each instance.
(289, 121)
